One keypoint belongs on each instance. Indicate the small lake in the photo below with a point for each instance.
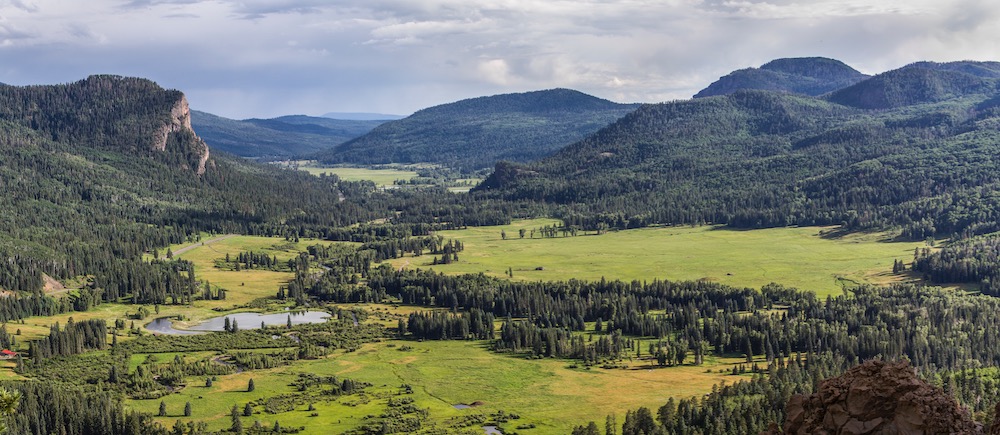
(164, 325)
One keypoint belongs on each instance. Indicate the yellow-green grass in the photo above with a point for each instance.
(381, 177)
(796, 256)
(245, 285)
(547, 393)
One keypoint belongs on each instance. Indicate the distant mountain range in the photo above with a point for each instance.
(277, 138)
(478, 132)
(362, 116)
(916, 148)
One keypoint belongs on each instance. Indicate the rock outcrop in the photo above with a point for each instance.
(877, 397)
(180, 119)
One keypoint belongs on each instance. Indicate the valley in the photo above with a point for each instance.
(537, 263)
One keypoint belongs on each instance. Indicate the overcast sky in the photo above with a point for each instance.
(264, 58)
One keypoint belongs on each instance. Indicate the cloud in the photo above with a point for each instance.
(247, 58)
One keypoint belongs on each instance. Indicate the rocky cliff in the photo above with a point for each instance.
(180, 120)
(877, 398)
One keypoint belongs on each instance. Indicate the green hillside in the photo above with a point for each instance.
(476, 133)
(808, 76)
(925, 163)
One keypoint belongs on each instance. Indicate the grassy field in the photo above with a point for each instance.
(799, 257)
(245, 285)
(546, 393)
(381, 177)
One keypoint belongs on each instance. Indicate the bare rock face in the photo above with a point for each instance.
(180, 119)
(877, 398)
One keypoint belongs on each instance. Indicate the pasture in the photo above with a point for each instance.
(547, 393)
(381, 177)
(802, 257)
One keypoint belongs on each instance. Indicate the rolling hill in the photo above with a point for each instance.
(476, 133)
(808, 76)
(922, 157)
(277, 138)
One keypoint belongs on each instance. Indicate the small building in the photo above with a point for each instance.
(7, 354)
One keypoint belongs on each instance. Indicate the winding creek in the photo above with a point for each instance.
(164, 325)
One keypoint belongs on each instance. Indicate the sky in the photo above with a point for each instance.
(266, 58)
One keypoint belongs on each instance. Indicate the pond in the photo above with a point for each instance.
(164, 325)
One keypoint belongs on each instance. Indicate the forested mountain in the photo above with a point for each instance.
(919, 83)
(925, 163)
(100, 171)
(808, 75)
(282, 137)
(478, 132)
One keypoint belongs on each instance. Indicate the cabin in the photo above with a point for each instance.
(7, 354)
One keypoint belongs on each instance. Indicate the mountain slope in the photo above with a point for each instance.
(759, 158)
(919, 83)
(100, 171)
(476, 133)
(283, 137)
(808, 76)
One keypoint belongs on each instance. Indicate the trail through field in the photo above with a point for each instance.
(202, 243)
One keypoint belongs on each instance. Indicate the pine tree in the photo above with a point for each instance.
(163, 409)
(250, 386)
(187, 409)
(234, 415)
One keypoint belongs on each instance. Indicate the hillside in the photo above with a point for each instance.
(920, 83)
(926, 164)
(102, 170)
(283, 137)
(808, 76)
(478, 132)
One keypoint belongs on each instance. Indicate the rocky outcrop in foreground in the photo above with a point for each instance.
(877, 397)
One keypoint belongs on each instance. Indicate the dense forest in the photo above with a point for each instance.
(475, 133)
(923, 163)
(808, 76)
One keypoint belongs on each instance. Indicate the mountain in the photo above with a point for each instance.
(283, 137)
(923, 82)
(99, 171)
(926, 164)
(478, 132)
(362, 116)
(808, 76)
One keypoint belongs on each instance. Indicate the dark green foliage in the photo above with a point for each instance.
(77, 337)
(282, 137)
(809, 76)
(476, 133)
(442, 326)
(48, 408)
(915, 84)
(975, 260)
(761, 159)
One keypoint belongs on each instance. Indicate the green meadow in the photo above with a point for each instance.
(802, 257)
(381, 177)
(546, 393)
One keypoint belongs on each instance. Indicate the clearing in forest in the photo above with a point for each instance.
(802, 257)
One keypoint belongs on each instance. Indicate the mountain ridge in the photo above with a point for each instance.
(476, 132)
(811, 76)
(277, 138)
(762, 158)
